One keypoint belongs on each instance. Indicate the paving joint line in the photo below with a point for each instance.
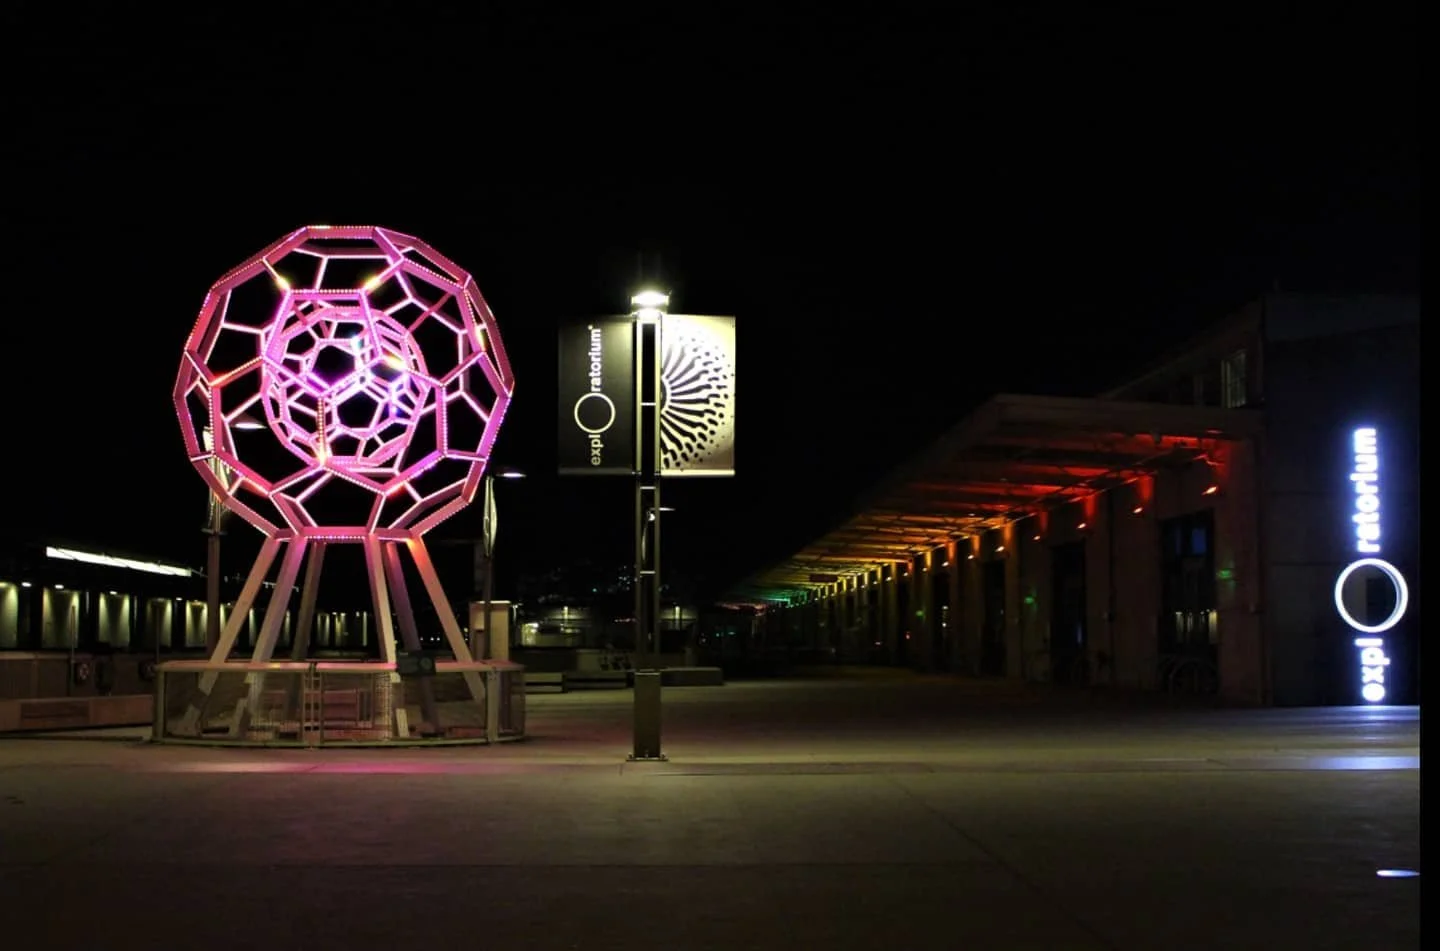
(1041, 893)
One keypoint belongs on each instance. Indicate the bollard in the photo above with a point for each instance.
(647, 716)
(158, 722)
(492, 705)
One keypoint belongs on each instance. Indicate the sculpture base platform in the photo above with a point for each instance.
(313, 704)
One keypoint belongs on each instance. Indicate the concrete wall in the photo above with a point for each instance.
(1243, 663)
(1122, 579)
(1032, 557)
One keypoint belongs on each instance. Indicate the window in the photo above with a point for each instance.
(1234, 388)
(1207, 387)
(1188, 621)
(1181, 391)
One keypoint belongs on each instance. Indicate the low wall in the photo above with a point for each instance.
(26, 675)
(588, 659)
(563, 682)
(65, 713)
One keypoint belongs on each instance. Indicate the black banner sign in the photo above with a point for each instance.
(597, 397)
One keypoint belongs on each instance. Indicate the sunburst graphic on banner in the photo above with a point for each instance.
(697, 398)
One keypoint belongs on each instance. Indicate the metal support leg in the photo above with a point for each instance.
(212, 587)
(309, 592)
(481, 646)
(246, 601)
(268, 550)
(409, 631)
(380, 599)
(304, 622)
(279, 604)
(275, 613)
(453, 634)
(385, 628)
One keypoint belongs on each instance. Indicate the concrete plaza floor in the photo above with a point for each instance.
(875, 810)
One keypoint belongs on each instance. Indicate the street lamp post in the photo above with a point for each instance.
(649, 313)
(480, 645)
(214, 528)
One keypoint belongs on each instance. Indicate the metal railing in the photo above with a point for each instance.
(1174, 673)
(1080, 668)
(328, 704)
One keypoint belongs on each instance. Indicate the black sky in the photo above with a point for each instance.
(905, 215)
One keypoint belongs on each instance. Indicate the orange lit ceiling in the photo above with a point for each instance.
(1013, 457)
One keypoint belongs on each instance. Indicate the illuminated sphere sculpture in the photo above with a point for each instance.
(345, 384)
(374, 363)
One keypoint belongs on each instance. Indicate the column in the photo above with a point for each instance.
(923, 612)
(889, 610)
(952, 600)
(1241, 659)
(1016, 662)
(972, 613)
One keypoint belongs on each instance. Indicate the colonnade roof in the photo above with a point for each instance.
(1013, 457)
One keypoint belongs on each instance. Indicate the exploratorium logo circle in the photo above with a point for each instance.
(594, 413)
(1390, 573)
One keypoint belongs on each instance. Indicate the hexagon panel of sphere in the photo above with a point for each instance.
(345, 381)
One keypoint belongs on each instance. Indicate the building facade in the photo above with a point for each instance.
(1184, 531)
(64, 596)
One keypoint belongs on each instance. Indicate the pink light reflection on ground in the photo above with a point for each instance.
(376, 767)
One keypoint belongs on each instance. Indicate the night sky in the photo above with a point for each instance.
(904, 216)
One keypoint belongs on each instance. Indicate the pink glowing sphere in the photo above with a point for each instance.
(344, 382)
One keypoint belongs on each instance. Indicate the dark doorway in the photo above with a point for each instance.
(939, 617)
(872, 629)
(1068, 635)
(1188, 637)
(901, 657)
(992, 636)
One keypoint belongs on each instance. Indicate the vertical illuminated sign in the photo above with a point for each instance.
(1366, 527)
